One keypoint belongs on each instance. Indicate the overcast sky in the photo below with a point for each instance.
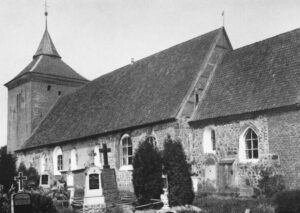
(97, 36)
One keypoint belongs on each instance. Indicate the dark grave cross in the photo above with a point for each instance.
(105, 151)
(20, 179)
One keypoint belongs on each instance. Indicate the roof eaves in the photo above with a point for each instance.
(90, 136)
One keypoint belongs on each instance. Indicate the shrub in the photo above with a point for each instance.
(147, 172)
(7, 168)
(42, 204)
(287, 202)
(32, 181)
(177, 169)
(270, 182)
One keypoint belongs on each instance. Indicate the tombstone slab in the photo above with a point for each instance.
(101, 192)
(22, 203)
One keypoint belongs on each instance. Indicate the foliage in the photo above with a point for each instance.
(147, 172)
(180, 186)
(287, 202)
(270, 181)
(7, 168)
(33, 177)
(42, 203)
(4, 203)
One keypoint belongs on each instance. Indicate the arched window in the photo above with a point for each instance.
(126, 150)
(57, 161)
(251, 141)
(97, 156)
(73, 159)
(209, 140)
(248, 149)
(152, 140)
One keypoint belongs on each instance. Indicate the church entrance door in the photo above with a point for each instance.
(225, 177)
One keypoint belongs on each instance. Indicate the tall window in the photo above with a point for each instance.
(151, 140)
(209, 140)
(73, 159)
(213, 139)
(126, 150)
(97, 156)
(57, 160)
(251, 142)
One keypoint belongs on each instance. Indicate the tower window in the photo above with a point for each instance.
(48, 87)
(196, 98)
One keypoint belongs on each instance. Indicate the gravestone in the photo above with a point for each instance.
(21, 201)
(101, 191)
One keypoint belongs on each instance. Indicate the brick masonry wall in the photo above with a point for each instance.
(284, 139)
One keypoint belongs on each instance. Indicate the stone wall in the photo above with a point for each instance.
(284, 139)
(278, 135)
(84, 148)
(227, 137)
(18, 126)
(44, 95)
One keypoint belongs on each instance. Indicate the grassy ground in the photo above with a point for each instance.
(222, 204)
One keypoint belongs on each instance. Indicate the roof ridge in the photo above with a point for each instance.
(159, 52)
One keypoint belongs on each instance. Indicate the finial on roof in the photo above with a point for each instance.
(46, 46)
(223, 15)
(46, 14)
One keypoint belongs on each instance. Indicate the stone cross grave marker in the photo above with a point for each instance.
(20, 180)
(105, 151)
(21, 200)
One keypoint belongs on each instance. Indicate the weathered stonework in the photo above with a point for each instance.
(274, 131)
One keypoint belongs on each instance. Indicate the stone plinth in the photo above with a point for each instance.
(101, 191)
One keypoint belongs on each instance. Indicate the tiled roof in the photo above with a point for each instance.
(260, 76)
(150, 90)
(49, 65)
(46, 46)
(47, 61)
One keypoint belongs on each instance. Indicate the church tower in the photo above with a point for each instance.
(32, 93)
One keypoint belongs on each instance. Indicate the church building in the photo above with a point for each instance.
(232, 109)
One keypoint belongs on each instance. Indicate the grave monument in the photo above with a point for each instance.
(101, 191)
(21, 201)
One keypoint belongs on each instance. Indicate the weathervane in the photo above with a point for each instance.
(223, 15)
(46, 12)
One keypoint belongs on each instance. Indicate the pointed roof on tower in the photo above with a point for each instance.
(46, 46)
(47, 64)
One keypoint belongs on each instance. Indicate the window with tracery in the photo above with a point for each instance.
(251, 144)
